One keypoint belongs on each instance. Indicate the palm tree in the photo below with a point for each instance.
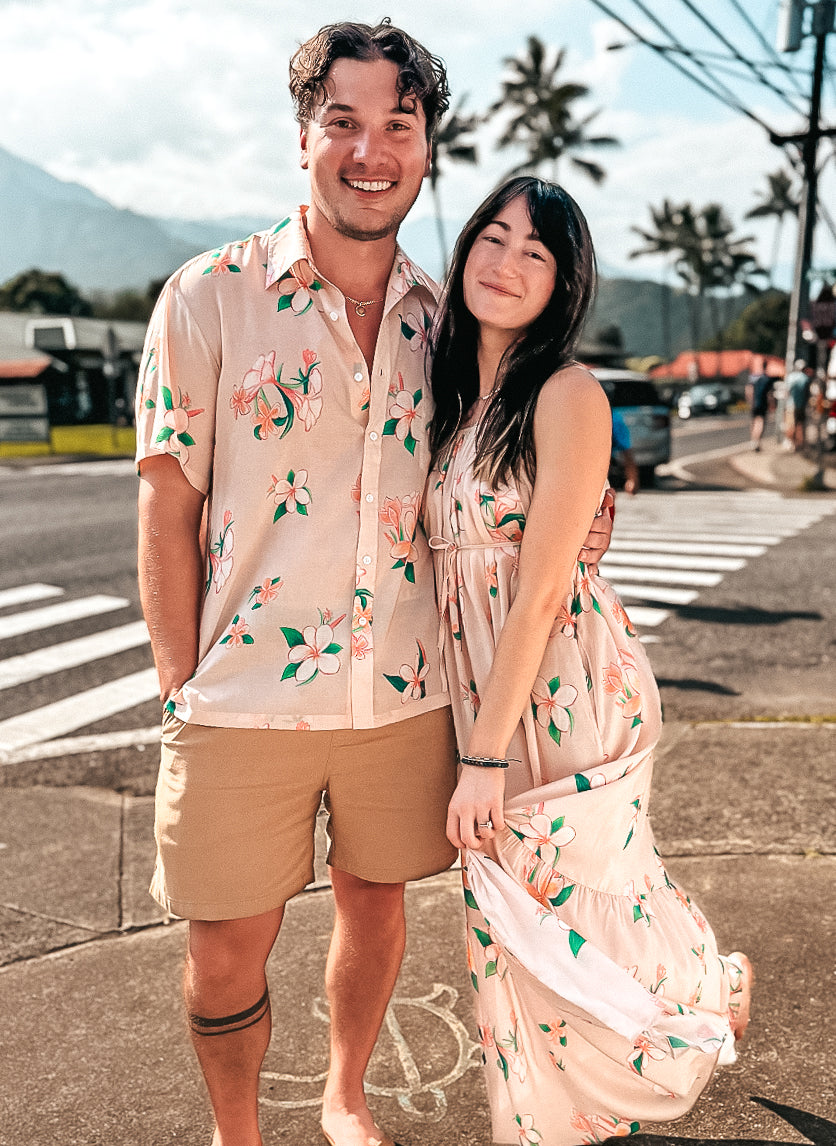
(451, 143)
(662, 240)
(778, 200)
(542, 119)
(708, 257)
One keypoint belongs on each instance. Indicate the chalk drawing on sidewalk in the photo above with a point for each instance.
(439, 1003)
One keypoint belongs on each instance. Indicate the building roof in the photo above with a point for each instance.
(719, 364)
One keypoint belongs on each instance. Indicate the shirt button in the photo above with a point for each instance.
(334, 315)
(367, 560)
(369, 497)
(358, 377)
(373, 435)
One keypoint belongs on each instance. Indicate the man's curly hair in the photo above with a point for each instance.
(421, 74)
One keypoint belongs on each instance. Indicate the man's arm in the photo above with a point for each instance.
(171, 568)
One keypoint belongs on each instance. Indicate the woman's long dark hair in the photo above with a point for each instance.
(505, 439)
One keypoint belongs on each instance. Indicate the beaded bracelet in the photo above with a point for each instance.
(484, 761)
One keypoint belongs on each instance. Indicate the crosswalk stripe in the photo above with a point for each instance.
(663, 576)
(73, 712)
(19, 623)
(665, 594)
(664, 560)
(25, 594)
(647, 617)
(71, 654)
(618, 544)
(662, 536)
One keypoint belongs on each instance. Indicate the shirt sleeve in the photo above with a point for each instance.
(178, 380)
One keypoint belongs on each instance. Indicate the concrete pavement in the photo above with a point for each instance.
(94, 1049)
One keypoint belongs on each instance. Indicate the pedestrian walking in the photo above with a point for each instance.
(799, 383)
(287, 585)
(601, 999)
(759, 394)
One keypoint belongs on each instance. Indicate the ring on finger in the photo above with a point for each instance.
(484, 823)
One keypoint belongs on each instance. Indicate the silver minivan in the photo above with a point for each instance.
(647, 417)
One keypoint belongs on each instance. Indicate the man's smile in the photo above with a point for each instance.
(370, 184)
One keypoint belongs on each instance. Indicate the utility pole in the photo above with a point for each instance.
(790, 36)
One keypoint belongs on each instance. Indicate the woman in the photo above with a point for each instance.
(600, 997)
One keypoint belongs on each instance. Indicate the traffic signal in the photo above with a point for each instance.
(790, 19)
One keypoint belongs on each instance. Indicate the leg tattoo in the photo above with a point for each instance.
(229, 1024)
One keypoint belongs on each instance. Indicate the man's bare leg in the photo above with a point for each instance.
(229, 1017)
(363, 962)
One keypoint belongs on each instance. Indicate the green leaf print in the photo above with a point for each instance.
(397, 682)
(289, 671)
(279, 226)
(389, 427)
(293, 637)
(164, 434)
(562, 895)
(596, 606)
(470, 899)
(502, 1063)
(490, 968)
(581, 783)
(576, 942)
(483, 937)
(554, 732)
(168, 401)
(677, 1044)
(407, 331)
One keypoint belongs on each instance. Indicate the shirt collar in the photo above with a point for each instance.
(288, 250)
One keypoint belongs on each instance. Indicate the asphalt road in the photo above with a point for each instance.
(733, 633)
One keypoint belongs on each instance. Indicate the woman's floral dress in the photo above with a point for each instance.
(600, 997)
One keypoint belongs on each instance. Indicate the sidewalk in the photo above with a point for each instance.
(94, 1049)
(781, 469)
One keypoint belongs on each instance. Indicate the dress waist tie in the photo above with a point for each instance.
(446, 585)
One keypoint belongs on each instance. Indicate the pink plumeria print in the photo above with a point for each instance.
(221, 264)
(175, 436)
(313, 650)
(265, 593)
(411, 679)
(262, 373)
(642, 1050)
(621, 680)
(399, 516)
(542, 835)
(403, 412)
(290, 494)
(221, 558)
(556, 1034)
(544, 884)
(640, 901)
(585, 599)
(361, 622)
(551, 706)
(495, 961)
(598, 1127)
(238, 635)
(296, 288)
(502, 513)
(306, 392)
(529, 1134)
(470, 694)
(415, 327)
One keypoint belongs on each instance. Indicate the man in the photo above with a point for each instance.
(759, 394)
(283, 397)
(799, 383)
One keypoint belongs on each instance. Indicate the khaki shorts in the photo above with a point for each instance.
(236, 810)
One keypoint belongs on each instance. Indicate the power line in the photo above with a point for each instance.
(719, 91)
(782, 64)
(715, 31)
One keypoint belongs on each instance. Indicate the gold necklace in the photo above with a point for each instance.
(490, 394)
(360, 307)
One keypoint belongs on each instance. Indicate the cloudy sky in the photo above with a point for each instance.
(180, 107)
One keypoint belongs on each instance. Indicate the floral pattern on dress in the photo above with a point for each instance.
(239, 634)
(502, 514)
(265, 593)
(529, 1134)
(551, 706)
(313, 650)
(361, 624)
(597, 1128)
(621, 680)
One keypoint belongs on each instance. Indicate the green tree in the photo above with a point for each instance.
(43, 292)
(761, 326)
(711, 261)
(451, 143)
(542, 119)
(778, 200)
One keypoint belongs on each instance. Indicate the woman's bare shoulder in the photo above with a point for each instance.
(569, 388)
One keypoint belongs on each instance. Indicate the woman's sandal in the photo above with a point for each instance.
(382, 1142)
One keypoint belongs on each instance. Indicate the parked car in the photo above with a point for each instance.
(648, 419)
(705, 398)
